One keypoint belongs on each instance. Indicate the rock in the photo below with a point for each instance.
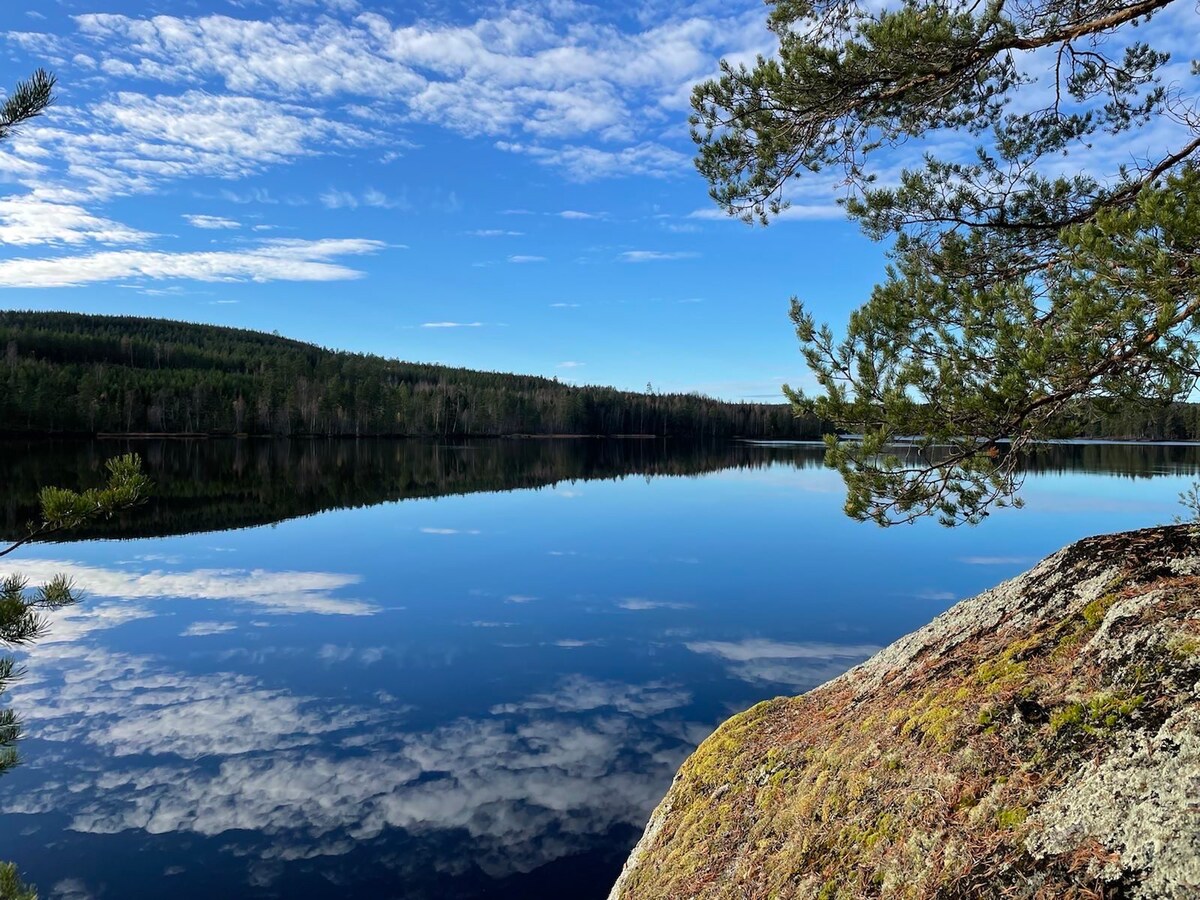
(1040, 740)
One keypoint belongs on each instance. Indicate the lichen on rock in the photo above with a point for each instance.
(1040, 740)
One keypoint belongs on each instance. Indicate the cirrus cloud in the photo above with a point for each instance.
(291, 260)
(643, 256)
(28, 220)
(211, 223)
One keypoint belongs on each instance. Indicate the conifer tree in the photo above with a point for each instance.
(1030, 277)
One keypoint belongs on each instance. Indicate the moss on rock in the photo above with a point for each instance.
(947, 765)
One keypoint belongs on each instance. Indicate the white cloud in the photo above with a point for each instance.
(570, 364)
(495, 232)
(251, 195)
(34, 41)
(213, 223)
(371, 197)
(515, 70)
(281, 260)
(449, 531)
(142, 140)
(641, 256)
(129, 143)
(18, 167)
(333, 199)
(28, 220)
(587, 163)
(586, 93)
(797, 212)
(71, 889)
(451, 324)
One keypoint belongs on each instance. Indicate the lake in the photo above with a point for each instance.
(412, 670)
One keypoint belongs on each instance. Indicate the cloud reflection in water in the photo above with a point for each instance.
(798, 665)
(267, 591)
(280, 776)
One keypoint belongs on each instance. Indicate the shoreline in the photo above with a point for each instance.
(200, 435)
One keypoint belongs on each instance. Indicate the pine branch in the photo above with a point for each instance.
(28, 100)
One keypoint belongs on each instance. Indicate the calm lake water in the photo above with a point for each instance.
(399, 669)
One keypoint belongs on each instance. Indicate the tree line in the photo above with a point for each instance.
(1147, 421)
(65, 373)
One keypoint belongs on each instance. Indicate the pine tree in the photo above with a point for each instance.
(1017, 292)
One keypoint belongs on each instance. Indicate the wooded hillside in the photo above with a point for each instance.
(66, 373)
(85, 374)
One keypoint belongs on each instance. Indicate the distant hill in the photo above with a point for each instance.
(67, 373)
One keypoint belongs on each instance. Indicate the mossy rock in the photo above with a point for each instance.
(1040, 740)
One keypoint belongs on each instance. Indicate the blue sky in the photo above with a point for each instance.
(502, 187)
(498, 187)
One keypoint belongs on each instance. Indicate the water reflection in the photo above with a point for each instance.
(479, 692)
(267, 591)
(223, 484)
(798, 665)
(276, 778)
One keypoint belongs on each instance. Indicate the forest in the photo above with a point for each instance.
(73, 374)
(66, 373)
